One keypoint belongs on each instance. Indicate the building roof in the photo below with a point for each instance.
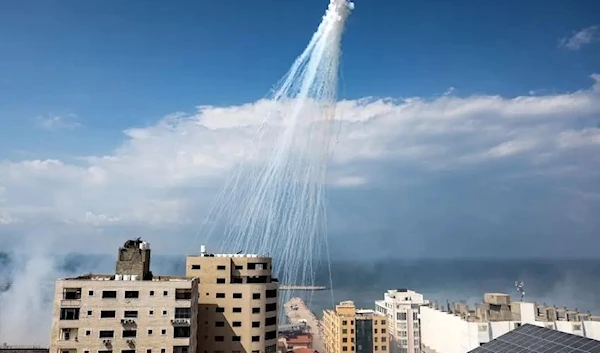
(303, 350)
(107, 277)
(300, 339)
(535, 339)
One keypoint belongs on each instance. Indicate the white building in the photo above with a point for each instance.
(402, 307)
(462, 330)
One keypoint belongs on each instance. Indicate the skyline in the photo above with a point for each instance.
(471, 126)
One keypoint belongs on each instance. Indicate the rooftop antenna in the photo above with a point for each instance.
(520, 288)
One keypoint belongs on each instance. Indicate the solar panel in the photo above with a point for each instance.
(535, 339)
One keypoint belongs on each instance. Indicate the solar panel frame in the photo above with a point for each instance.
(535, 339)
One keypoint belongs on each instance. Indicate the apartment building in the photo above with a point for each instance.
(237, 302)
(402, 309)
(347, 329)
(126, 312)
(457, 328)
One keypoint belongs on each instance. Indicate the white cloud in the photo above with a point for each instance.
(162, 175)
(57, 122)
(581, 38)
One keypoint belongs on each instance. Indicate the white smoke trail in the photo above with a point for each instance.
(274, 202)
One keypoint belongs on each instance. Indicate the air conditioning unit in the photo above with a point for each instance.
(107, 342)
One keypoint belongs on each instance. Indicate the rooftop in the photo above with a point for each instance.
(105, 277)
(534, 339)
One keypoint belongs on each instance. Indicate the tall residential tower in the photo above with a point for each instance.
(237, 302)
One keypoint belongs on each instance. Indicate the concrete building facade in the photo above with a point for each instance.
(237, 302)
(127, 312)
(347, 329)
(402, 308)
(458, 328)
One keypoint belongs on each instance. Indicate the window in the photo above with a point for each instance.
(219, 309)
(164, 313)
(104, 351)
(220, 324)
(257, 266)
(165, 293)
(255, 323)
(415, 315)
(375, 339)
(195, 267)
(237, 279)
(128, 351)
(383, 339)
(220, 280)
(148, 350)
(271, 349)
(344, 331)
(220, 295)
(91, 293)
(383, 330)
(351, 322)
(181, 332)
(401, 316)
(375, 330)
(236, 338)
(151, 312)
(89, 313)
(149, 332)
(163, 332)
(163, 350)
(183, 294)
(108, 314)
(237, 310)
(345, 349)
(271, 307)
(271, 293)
(239, 267)
(106, 334)
(69, 313)
(255, 310)
(255, 295)
(219, 338)
(88, 332)
(236, 324)
(132, 294)
(221, 267)
(183, 313)
(180, 349)
(255, 338)
(344, 340)
(129, 333)
(271, 321)
(237, 295)
(109, 294)
(131, 314)
(72, 293)
(344, 322)
(151, 293)
(383, 322)
(271, 335)
(384, 348)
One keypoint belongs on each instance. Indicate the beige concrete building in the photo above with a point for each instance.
(127, 312)
(237, 303)
(347, 329)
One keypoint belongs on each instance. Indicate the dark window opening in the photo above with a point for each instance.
(108, 314)
(271, 335)
(220, 295)
(255, 323)
(239, 267)
(237, 280)
(255, 310)
(236, 338)
(237, 295)
(131, 314)
(236, 324)
(181, 332)
(129, 333)
(271, 307)
(221, 267)
(255, 295)
(109, 294)
(183, 294)
(258, 279)
(237, 310)
(220, 280)
(257, 266)
(72, 293)
(106, 334)
(271, 321)
(219, 309)
(271, 293)
(183, 313)
(132, 294)
(255, 338)
(69, 313)
(195, 267)
(220, 324)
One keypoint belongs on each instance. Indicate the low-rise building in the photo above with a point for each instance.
(456, 328)
(348, 329)
(127, 312)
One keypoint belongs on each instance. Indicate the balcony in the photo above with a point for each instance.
(70, 303)
(181, 322)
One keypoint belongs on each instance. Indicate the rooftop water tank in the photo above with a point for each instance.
(118, 277)
(126, 277)
(135, 277)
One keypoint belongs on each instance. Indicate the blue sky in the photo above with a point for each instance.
(74, 75)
